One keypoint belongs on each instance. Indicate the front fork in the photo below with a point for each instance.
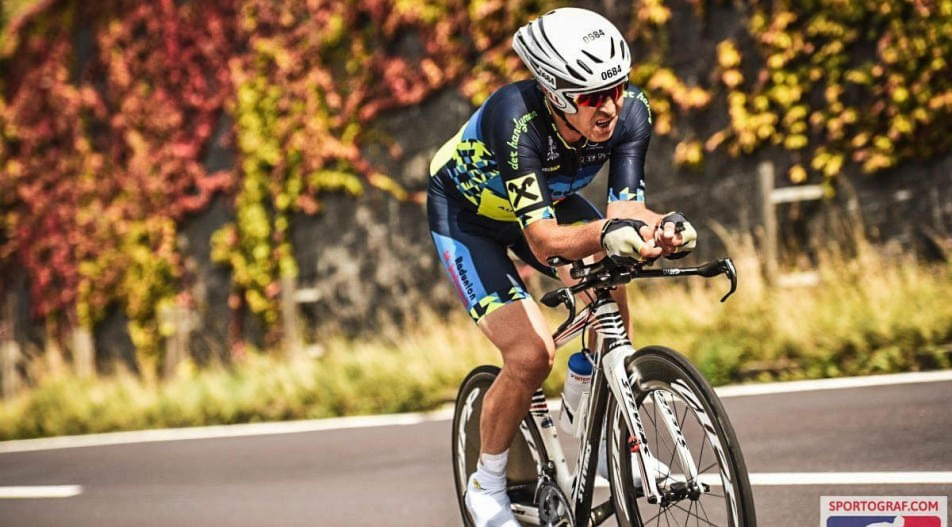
(618, 349)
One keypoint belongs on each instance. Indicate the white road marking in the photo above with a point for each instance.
(220, 431)
(850, 478)
(770, 479)
(833, 384)
(40, 491)
(444, 414)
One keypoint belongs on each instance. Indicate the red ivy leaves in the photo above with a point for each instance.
(106, 130)
(108, 110)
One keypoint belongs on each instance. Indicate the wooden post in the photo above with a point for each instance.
(9, 349)
(289, 317)
(83, 351)
(176, 345)
(765, 180)
(9, 376)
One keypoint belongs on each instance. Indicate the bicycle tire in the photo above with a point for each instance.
(521, 472)
(666, 371)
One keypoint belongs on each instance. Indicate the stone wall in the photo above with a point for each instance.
(370, 265)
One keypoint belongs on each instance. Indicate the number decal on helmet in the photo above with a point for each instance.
(611, 73)
(593, 35)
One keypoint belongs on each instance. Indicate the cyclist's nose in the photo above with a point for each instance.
(609, 106)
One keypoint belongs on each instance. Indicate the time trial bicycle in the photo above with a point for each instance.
(673, 457)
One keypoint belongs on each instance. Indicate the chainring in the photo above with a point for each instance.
(554, 509)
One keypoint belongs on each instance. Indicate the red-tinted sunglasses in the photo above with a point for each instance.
(597, 98)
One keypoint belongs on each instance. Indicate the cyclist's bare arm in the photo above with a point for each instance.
(574, 242)
(547, 238)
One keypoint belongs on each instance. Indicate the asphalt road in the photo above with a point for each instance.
(401, 475)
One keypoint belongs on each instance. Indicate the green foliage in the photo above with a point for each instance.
(103, 132)
(102, 158)
(836, 83)
(305, 95)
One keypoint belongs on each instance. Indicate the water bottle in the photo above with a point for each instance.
(575, 393)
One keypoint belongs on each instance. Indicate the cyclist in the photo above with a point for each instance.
(509, 180)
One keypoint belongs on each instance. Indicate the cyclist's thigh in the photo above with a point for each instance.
(520, 332)
(472, 249)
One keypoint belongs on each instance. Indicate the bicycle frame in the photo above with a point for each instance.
(612, 350)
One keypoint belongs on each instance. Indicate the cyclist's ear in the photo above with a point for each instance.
(550, 96)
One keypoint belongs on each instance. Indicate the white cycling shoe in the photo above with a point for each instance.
(489, 504)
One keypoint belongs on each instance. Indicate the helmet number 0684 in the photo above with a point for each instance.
(593, 35)
(611, 72)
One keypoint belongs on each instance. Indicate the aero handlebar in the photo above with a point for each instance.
(606, 274)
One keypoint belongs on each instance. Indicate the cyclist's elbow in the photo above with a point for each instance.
(541, 251)
(542, 240)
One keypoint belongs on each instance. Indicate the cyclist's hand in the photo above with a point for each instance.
(675, 235)
(625, 240)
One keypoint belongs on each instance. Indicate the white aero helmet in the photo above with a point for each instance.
(572, 51)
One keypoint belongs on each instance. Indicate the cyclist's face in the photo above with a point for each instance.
(597, 122)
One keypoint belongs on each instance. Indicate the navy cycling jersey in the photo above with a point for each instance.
(509, 162)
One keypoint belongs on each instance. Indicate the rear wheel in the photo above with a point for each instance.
(526, 452)
(725, 497)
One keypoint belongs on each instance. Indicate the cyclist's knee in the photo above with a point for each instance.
(520, 332)
(531, 364)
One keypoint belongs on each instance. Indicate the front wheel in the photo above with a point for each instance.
(721, 495)
(526, 453)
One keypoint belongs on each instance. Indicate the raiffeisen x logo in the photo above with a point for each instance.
(525, 187)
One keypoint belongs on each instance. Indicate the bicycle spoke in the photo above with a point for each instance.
(688, 517)
(657, 441)
(705, 469)
(660, 439)
(695, 515)
(684, 416)
(656, 516)
(653, 422)
(655, 410)
(706, 517)
(703, 446)
(674, 451)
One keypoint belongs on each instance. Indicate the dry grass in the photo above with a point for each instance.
(870, 313)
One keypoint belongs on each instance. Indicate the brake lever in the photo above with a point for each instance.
(565, 297)
(554, 297)
(727, 267)
(722, 266)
